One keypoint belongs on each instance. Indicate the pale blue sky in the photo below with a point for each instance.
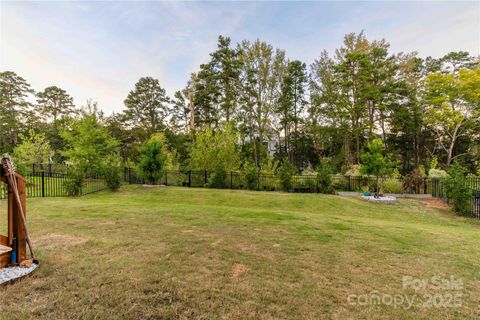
(99, 50)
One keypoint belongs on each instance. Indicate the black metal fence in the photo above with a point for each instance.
(310, 184)
(438, 190)
(46, 182)
(53, 184)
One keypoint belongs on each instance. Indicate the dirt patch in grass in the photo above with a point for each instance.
(238, 269)
(435, 203)
(53, 241)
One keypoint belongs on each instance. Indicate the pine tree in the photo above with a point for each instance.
(147, 106)
(14, 108)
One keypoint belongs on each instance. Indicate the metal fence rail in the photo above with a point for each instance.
(53, 184)
(310, 184)
(49, 183)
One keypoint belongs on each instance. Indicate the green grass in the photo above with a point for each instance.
(181, 253)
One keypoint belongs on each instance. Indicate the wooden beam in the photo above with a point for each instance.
(18, 229)
(3, 240)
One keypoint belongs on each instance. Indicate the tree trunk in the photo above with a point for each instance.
(192, 114)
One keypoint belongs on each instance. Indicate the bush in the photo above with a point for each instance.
(154, 158)
(392, 186)
(113, 173)
(457, 190)
(324, 178)
(217, 179)
(353, 170)
(285, 173)
(251, 175)
(74, 183)
(437, 173)
(375, 161)
(309, 183)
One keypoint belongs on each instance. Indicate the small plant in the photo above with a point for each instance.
(437, 173)
(392, 186)
(217, 179)
(457, 190)
(74, 183)
(251, 175)
(112, 172)
(285, 173)
(324, 179)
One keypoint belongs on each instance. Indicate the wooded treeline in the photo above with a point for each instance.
(250, 104)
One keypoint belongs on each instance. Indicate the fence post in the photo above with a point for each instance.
(166, 177)
(43, 183)
(231, 180)
(349, 183)
(189, 178)
(205, 182)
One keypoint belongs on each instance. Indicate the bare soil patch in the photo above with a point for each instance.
(238, 269)
(52, 241)
(435, 203)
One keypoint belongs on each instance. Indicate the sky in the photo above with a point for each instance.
(98, 50)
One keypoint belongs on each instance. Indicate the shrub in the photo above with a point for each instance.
(375, 161)
(392, 186)
(74, 183)
(324, 178)
(307, 183)
(285, 173)
(217, 179)
(457, 190)
(251, 175)
(213, 149)
(112, 172)
(437, 173)
(269, 166)
(153, 158)
(354, 170)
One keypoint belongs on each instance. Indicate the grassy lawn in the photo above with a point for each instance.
(180, 253)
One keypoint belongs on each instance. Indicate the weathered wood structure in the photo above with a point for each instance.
(15, 228)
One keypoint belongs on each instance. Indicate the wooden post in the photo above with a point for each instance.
(18, 229)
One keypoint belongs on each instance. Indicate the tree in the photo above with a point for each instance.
(453, 62)
(375, 161)
(292, 101)
(155, 158)
(147, 106)
(206, 94)
(354, 89)
(88, 142)
(227, 66)
(213, 151)
(179, 113)
(34, 149)
(406, 119)
(14, 107)
(54, 103)
(262, 71)
(452, 107)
